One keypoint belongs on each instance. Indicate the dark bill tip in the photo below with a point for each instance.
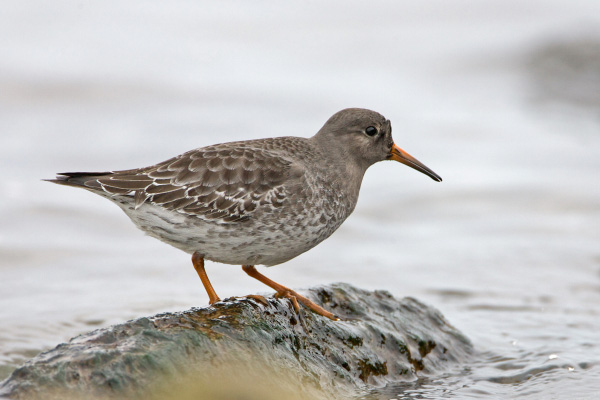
(397, 154)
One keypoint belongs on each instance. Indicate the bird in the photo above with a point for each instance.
(254, 202)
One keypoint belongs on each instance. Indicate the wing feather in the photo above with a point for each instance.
(225, 183)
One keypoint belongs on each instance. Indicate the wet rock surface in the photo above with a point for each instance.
(380, 340)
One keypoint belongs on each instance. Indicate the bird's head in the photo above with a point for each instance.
(366, 137)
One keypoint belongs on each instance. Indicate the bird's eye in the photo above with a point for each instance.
(371, 131)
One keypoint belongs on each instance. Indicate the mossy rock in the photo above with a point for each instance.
(242, 346)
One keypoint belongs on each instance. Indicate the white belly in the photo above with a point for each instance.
(246, 243)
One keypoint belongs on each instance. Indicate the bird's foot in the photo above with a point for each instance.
(282, 291)
(291, 297)
(295, 297)
(259, 298)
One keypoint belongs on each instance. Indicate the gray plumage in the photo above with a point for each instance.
(251, 202)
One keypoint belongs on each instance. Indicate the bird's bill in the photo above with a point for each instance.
(397, 154)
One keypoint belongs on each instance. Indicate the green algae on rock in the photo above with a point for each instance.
(242, 345)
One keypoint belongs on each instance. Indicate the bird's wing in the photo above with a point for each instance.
(223, 183)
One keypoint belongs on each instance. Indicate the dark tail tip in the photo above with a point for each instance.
(75, 178)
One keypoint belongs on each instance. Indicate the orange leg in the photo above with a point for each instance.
(198, 262)
(283, 291)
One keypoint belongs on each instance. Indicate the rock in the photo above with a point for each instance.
(242, 347)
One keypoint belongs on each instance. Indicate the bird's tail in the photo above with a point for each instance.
(87, 180)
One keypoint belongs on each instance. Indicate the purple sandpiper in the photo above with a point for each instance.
(255, 202)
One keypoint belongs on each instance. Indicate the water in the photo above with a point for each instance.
(499, 97)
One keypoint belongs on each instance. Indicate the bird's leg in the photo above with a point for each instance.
(283, 291)
(198, 261)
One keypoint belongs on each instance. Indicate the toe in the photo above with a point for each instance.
(259, 298)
